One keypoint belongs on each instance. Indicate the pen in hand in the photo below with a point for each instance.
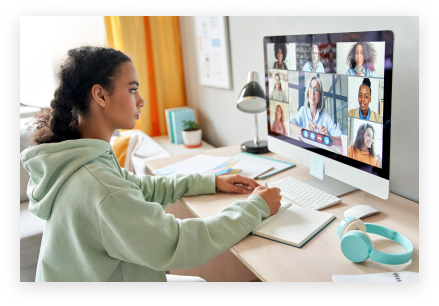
(266, 186)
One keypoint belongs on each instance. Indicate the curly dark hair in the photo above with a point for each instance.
(359, 140)
(369, 54)
(84, 67)
(283, 47)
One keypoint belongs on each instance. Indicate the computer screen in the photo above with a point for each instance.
(330, 94)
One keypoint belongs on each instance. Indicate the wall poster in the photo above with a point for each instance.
(212, 41)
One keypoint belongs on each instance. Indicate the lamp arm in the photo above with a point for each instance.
(256, 141)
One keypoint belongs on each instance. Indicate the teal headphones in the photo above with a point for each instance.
(357, 246)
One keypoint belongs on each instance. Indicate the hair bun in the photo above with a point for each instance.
(366, 81)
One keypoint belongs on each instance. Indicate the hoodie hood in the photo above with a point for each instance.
(50, 165)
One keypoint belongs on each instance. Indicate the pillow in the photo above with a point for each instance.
(124, 147)
(133, 148)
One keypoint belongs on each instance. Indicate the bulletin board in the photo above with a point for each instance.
(213, 54)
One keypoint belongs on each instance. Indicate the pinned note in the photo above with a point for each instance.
(316, 166)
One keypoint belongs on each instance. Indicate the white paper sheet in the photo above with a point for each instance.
(276, 165)
(197, 164)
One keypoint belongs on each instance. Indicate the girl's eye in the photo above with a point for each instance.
(133, 90)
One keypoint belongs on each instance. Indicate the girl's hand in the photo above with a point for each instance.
(227, 183)
(271, 196)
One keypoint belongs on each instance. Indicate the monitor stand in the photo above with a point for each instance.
(330, 185)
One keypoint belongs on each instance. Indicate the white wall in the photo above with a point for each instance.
(223, 124)
(44, 42)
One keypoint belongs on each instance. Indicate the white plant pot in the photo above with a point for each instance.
(192, 138)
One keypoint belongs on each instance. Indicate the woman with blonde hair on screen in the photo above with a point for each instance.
(313, 116)
(363, 148)
(279, 121)
(315, 65)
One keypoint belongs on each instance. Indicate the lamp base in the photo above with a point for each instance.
(250, 147)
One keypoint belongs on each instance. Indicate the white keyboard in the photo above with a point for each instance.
(303, 194)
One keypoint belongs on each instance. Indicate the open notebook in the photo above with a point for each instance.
(293, 225)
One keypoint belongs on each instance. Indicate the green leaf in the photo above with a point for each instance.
(189, 125)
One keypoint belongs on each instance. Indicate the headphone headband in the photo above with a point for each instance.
(390, 258)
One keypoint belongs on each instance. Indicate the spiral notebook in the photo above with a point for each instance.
(387, 277)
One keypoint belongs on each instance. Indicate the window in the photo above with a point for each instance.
(44, 42)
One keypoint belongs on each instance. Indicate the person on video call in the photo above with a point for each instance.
(280, 52)
(104, 223)
(315, 65)
(364, 98)
(279, 121)
(313, 116)
(361, 59)
(363, 147)
(278, 94)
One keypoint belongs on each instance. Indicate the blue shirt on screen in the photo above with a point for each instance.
(368, 114)
(366, 72)
(308, 67)
(304, 116)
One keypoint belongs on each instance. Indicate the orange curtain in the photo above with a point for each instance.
(153, 44)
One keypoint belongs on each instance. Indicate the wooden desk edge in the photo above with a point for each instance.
(247, 264)
(189, 208)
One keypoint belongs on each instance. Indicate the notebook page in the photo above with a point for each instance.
(283, 206)
(296, 225)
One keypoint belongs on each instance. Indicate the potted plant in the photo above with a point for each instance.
(191, 134)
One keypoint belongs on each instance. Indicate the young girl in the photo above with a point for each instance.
(104, 223)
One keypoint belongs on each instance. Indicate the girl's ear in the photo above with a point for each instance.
(99, 94)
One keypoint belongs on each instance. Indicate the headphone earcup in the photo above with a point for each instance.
(350, 224)
(356, 245)
(371, 241)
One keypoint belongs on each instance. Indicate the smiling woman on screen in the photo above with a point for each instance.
(278, 93)
(363, 148)
(280, 52)
(315, 65)
(364, 98)
(361, 59)
(279, 121)
(313, 116)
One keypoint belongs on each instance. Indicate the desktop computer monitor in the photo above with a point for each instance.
(330, 94)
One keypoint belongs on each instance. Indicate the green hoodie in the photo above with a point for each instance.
(104, 223)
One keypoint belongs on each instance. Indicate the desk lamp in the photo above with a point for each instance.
(252, 100)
